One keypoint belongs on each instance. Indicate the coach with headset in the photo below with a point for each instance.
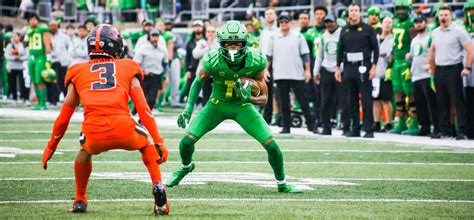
(153, 60)
(357, 43)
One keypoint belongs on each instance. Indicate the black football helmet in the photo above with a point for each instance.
(105, 41)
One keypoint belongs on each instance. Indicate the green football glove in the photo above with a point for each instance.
(184, 118)
(407, 74)
(388, 74)
(432, 84)
(244, 93)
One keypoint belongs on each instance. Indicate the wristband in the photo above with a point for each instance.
(48, 57)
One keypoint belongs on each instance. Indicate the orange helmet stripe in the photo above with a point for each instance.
(97, 37)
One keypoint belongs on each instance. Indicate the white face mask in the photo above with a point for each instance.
(232, 53)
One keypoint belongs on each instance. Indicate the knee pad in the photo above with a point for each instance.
(186, 141)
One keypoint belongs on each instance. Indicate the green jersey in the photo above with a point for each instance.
(35, 39)
(224, 77)
(168, 36)
(402, 41)
(135, 36)
(7, 36)
(313, 35)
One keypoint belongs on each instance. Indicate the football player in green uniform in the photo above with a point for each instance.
(230, 100)
(39, 46)
(403, 31)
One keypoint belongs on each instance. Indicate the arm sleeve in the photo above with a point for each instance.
(60, 126)
(269, 51)
(24, 54)
(374, 44)
(187, 59)
(304, 49)
(8, 53)
(319, 58)
(145, 115)
(194, 93)
(138, 57)
(198, 52)
(340, 49)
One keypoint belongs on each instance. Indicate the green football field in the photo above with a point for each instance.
(342, 178)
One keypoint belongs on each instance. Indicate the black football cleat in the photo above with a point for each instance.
(78, 207)
(161, 206)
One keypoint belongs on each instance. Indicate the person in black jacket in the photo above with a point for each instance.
(357, 43)
(190, 62)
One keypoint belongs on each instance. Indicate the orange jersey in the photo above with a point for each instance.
(104, 86)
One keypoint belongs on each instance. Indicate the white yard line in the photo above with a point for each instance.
(337, 179)
(308, 151)
(255, 162)
(247, 200)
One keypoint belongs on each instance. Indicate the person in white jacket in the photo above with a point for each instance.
(16, 55)
(382, 88)
(78, 48)
(324, 68)
(202, 47)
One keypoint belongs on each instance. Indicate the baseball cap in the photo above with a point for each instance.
(330, 17)
(419, 18)
(373, 10)
(147, 23)
(198, 22)
(154, 32)
(284, 15)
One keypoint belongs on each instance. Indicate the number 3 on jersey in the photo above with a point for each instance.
(106, 75)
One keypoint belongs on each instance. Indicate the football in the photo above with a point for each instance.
(246, 82)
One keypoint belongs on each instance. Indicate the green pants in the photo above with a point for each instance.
(399, 82)
(36, 64)
(244, 114)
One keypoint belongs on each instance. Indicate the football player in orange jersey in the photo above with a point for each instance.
(104, 85)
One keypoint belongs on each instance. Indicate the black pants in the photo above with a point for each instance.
(469, 91)
(448, 84)
(359, 84)
(268, 108)
(61, 73)
(206, 91)
(425, 100)
(151, 84)
(13, 76)
(301, 94)
(330, 90)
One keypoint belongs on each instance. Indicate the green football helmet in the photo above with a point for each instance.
(469, 17)
(374, 9)
(403, 4)
(233, 32)
(48, 75)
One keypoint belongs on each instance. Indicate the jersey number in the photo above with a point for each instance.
(230, 88)
(106, 74)
(35, 42)
(400, 33)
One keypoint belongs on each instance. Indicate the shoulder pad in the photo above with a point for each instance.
(43, 28)
(258, 59)
(210, 60)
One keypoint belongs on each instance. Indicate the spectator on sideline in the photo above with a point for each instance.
(190, 62)
(59, 55)
(449, 41)
(289, 54)
(382, 86)
(357, 44)
(15, 55)
(424, 95)
(78, 50)
(153, 60)
(203, 46)
(268, 32)
(324, 69)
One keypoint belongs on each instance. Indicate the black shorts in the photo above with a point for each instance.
(386, 91)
